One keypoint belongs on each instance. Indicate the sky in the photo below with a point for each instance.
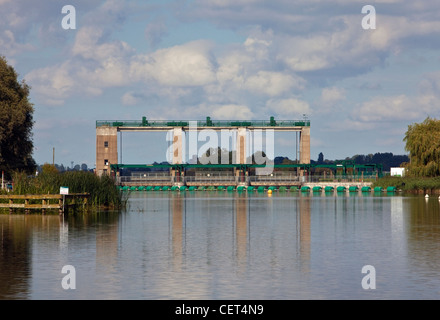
(227, 59)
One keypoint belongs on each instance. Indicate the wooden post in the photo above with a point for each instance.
(26, 203)
(60, 203)
(43, 210)
(10, 208)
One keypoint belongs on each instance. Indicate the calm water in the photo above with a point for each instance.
(220, 245)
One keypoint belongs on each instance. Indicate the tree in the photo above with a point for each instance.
(16, 121)
(216, 156)
(423, 144)
(320, 158)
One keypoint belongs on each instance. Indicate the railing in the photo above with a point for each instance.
(42, 201)
(339, 178)
(206, 179)
(281, 179)
(142, 179)
(211, 123)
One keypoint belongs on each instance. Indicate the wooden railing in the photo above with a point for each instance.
(47, 201)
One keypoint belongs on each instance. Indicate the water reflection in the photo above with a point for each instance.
(15, 264)
(305, 232)
(220, 245)
(241, 213)
(423, 238)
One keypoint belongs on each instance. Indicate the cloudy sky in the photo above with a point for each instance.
(227, 59)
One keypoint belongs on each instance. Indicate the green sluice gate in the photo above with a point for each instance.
(305, 189)
(366, 189)
(329, 189)
(340, 189)
(317, 189)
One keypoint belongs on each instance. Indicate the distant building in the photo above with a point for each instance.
(398, 172)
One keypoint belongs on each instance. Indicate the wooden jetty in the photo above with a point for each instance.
(58, 202)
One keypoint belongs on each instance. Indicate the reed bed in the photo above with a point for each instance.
(103, 191)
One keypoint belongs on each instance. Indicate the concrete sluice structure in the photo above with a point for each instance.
(107, 137)
(238, 175)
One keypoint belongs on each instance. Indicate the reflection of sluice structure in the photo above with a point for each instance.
(241, 227)
(177, 211)
(239, 237)
(304, 230)
(107, 243)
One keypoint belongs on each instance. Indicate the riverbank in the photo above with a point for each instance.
(415, 185)
(104, 194)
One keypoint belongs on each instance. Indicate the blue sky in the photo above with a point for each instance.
(228, 59)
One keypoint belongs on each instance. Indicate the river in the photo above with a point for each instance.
(228, 245)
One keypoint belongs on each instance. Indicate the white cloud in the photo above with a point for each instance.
(183, 65)
(222, 112)
(89, 45)
(232, 111)
(129, 99)
(54, 83)
(395, 108)
(155, 31)
(272, 83)
(332, 95)
(10, 46)
(291, 107)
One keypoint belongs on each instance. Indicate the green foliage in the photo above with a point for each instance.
(16, 121)
(409, 183)
(423, 143)
(103, 191)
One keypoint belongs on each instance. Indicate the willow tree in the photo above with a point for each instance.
(423, 144)
(16, 121)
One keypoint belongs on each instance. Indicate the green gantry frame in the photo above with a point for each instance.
(200, 123)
